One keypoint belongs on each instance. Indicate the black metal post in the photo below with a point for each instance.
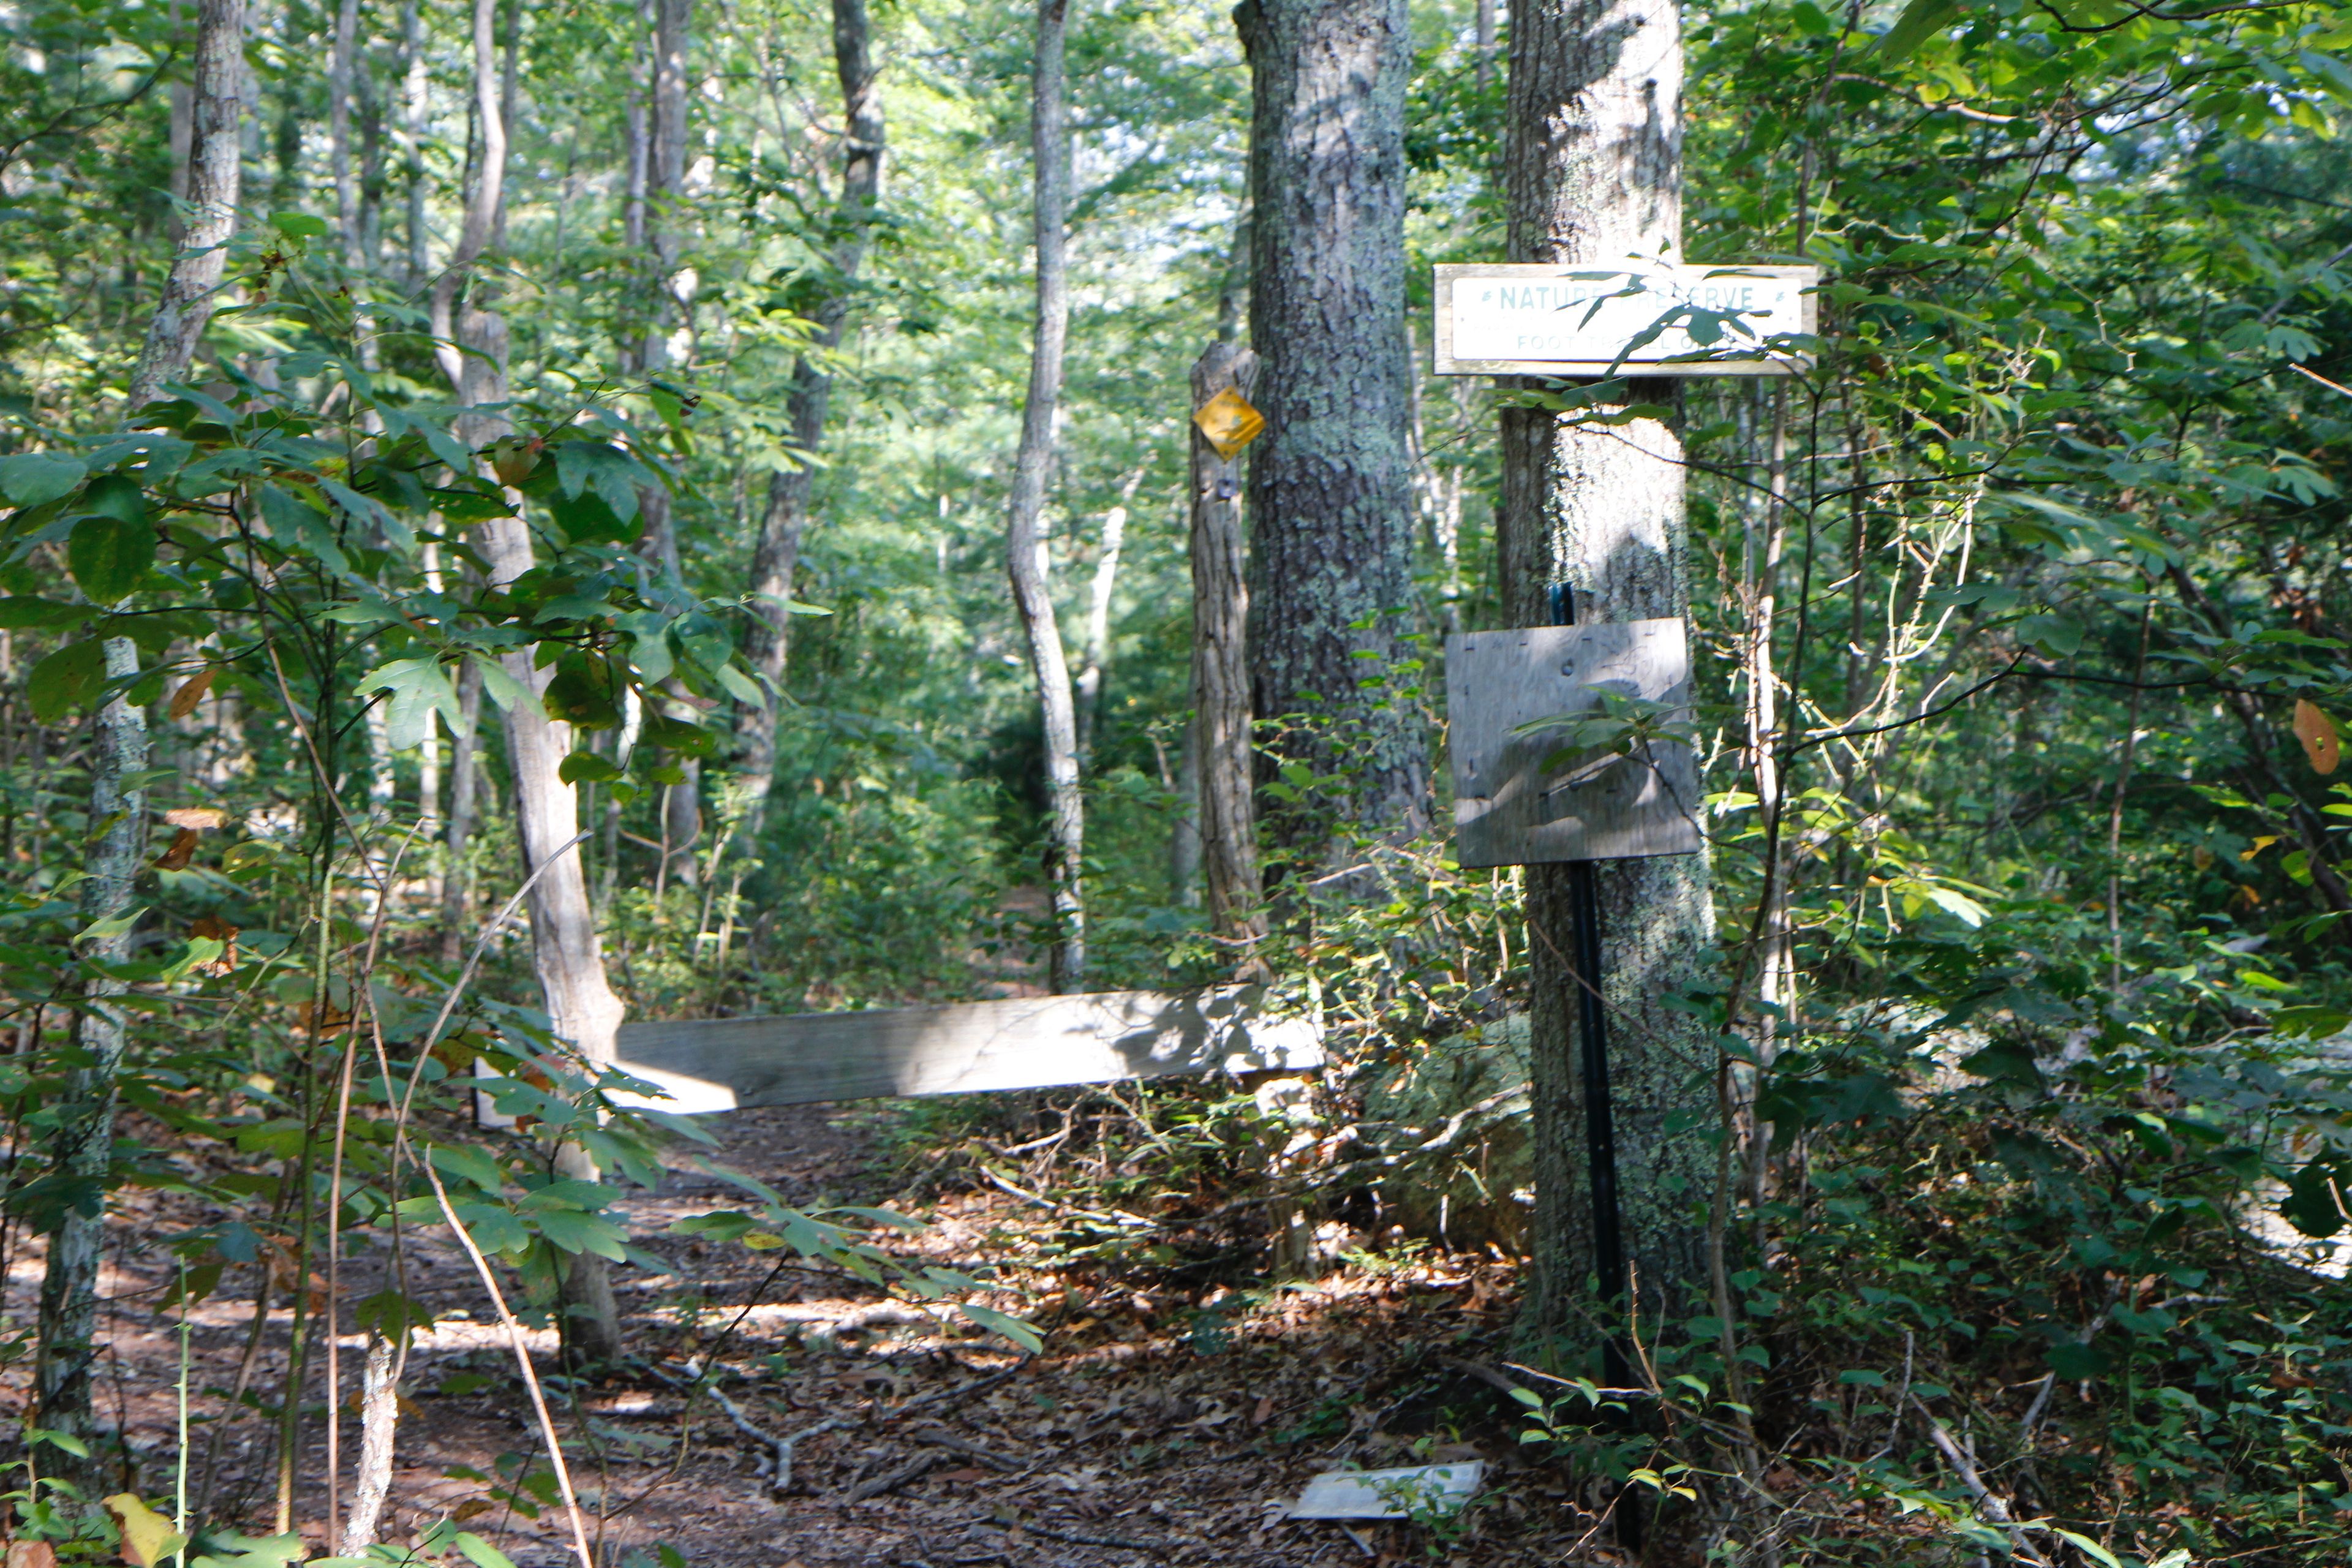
(1600, 1121)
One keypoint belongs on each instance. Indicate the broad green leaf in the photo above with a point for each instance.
(1918, 23)
(70, 677)
(28, 478)
(109, 557)
(24, 614)
(588, 766)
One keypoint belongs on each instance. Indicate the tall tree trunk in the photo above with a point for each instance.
(83, 1146)
(341, 60)
(82, 1149)
(1330, 495)
(776, 554)
(1024, 541)
(415, 82)
(213, 173)
(582, 1009)
(465, 787)
(1221, 736)
(1593, 167)
(665, 192)
(1106, 582)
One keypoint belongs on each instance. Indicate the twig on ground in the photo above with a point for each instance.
(1125, 1221)
(779, 1448)
(1080, 1537)
(940, 1436)
(1989, 1502)
(913, 1470)
(955, 1395)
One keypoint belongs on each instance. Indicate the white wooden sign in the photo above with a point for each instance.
(1595, 804)
(1028, 1042)
(1583, 321)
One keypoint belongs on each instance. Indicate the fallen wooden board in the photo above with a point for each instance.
(1427, 1491)
(1029, 1042)
(1508, 808)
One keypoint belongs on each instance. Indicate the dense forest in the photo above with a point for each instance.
(527, 529)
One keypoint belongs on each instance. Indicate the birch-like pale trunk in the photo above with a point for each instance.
(81, 1151)
(1024, 541)
(1098, 598)
(1593, 174)
(568, 958)
(415, 82)
(1330, 499)
(214, 166)
(1220, 735)
(775, 557)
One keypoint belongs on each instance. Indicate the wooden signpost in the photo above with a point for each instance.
(1029, 1042)
(1518, 800)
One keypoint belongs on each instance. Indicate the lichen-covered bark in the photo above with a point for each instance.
(1329, 498)
(1593, 172)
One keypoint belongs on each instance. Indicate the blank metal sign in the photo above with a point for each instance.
(1509, 810)
(1029, 1042)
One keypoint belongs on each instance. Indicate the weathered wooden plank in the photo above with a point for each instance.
(1030, 1042)
(1509, 810)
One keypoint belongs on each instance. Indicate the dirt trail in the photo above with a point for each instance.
(1161, 1425)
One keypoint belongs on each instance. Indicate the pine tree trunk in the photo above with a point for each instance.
(82, 1149)
(1025, 543)
(776, 554)
(213, 176)
(1221, 737)
(1331, 502)
(1593, 168)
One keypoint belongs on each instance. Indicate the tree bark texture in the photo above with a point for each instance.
(484, 201)
(1594, 171)
(83, 1149)
(1099, 602)
(582, 1009)
(414, 79)
(340, 65)
(1329, 496)
(1024, 543)
(775, 556)
(213, 176)
(1220, 735)
(465, 784)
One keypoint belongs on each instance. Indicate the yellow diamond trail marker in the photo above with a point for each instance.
(1230, 423)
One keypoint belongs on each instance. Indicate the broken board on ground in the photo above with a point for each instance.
(1595, 804)
(1415, 1491)
(1029, 1042)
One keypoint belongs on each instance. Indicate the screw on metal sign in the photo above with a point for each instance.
(1229, 423)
